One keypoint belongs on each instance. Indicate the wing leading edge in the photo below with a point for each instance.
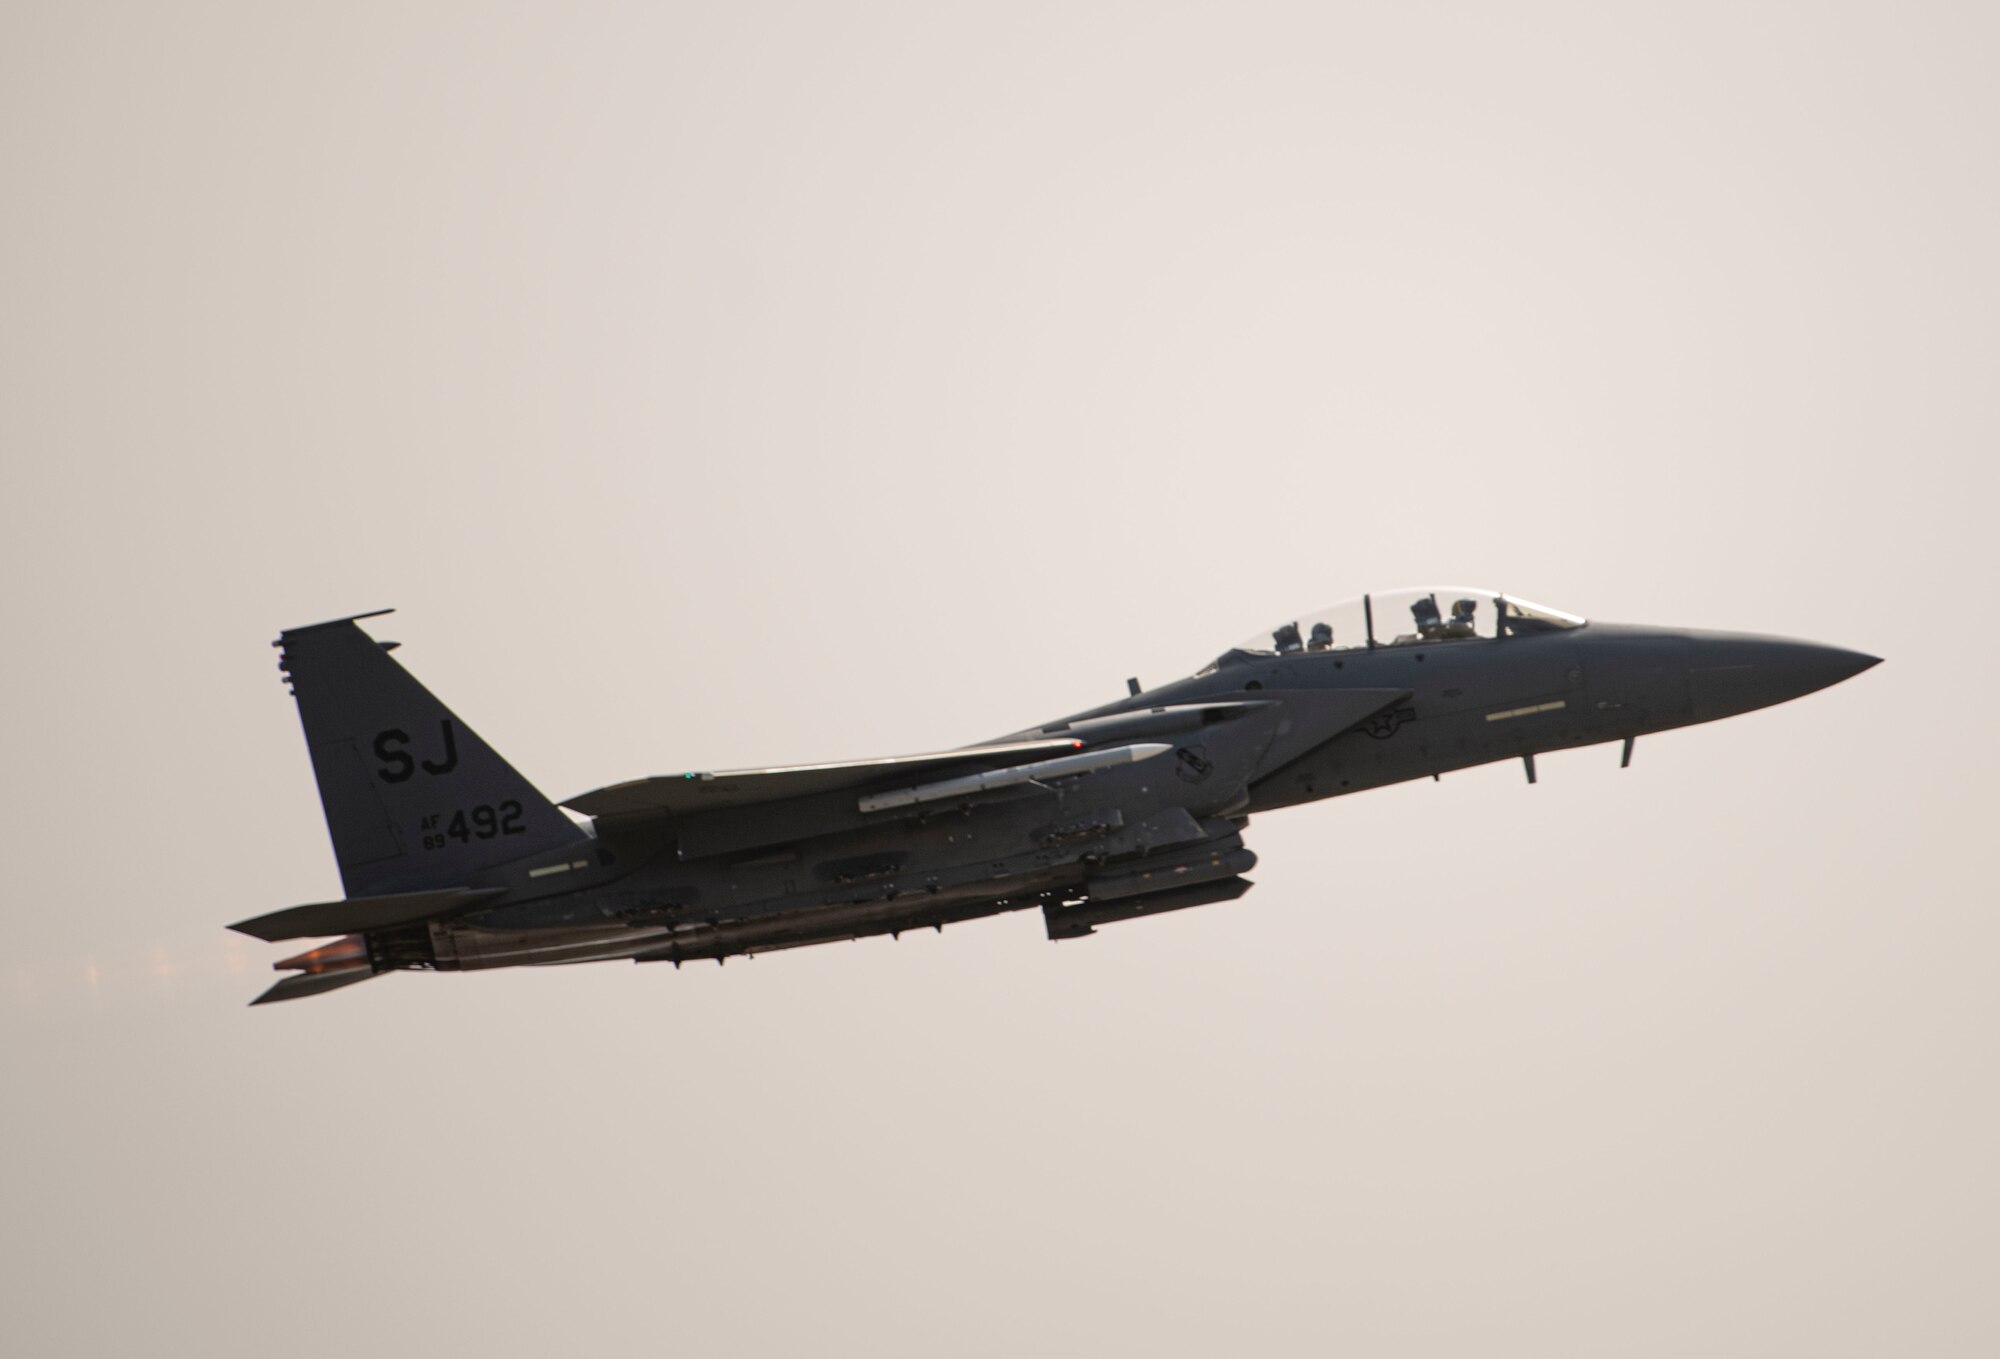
(684, 794)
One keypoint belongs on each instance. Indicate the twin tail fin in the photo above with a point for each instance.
(414, 799)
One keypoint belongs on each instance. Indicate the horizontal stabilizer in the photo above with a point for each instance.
(681, 794)
(313, 983)
(358, 915)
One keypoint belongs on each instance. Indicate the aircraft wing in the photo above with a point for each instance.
(684, 794)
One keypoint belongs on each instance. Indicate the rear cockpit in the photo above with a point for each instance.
(1404, 618)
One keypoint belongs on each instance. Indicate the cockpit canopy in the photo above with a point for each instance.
(1405, 618)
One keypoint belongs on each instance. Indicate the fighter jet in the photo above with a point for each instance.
(451, 861)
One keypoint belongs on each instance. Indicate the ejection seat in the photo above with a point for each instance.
(1430, 626)
(1461, 623)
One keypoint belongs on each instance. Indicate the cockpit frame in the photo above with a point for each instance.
(1473, 615)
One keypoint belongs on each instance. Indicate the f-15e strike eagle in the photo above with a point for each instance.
(452, 861)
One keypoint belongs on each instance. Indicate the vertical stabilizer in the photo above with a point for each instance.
(413, 797)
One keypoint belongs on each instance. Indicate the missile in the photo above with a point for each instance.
(1060, 767)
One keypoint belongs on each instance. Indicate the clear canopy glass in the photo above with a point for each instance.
(1426, 614)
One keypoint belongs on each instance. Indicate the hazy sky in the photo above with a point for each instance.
(747, 383)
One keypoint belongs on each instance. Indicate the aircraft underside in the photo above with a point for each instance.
(1075, 897)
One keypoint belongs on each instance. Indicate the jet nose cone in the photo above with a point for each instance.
(1842, 664)
(1734, 673)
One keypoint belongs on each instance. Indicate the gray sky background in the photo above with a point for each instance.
(748, 383)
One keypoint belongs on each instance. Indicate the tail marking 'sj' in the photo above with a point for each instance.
(415, 801)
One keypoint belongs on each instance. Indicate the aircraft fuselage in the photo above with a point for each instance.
(1470, 702)
(1133, 808)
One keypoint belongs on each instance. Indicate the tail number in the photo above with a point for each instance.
(475, 823)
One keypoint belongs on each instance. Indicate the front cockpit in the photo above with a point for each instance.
(1404, 618)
